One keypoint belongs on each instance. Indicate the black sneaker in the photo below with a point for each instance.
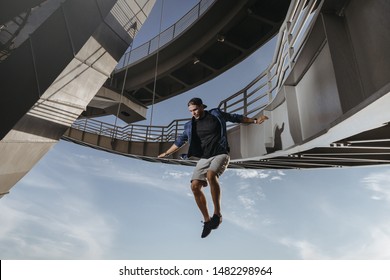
(206, 229)
(215, 221)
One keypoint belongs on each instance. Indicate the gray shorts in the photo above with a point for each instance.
(218, 164)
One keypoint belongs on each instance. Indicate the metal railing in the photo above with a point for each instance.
(164, 37)
(140, 133)
(126, 17)
(249, 100)
(263, 89)
(8, 33)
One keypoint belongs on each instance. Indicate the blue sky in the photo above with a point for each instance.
(80, 203)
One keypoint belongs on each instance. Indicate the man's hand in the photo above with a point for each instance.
(261, 119)
(169, 152)
(163, 155)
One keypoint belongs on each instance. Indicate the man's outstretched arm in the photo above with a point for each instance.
(170, 151)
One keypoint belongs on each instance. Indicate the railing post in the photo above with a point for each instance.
(174, 31)
(131, 132)
(147, 134)
(114, 132)
(289, 40)
(149, 44)
(269, 82)
(245, 102)
(162, 134)
(176, 128)
(85, 124)
(101, 129)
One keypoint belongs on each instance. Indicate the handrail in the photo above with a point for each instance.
(263, 89)
(132, 132)
(164, 37)
(9, 33)
(251, 99)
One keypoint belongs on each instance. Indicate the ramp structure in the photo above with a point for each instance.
(326, 94)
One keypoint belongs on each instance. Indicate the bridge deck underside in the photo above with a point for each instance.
(330, 110)
(367, 148)
(228, 33)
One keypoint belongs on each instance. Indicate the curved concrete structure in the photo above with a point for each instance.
(326, 94)
(222, 36)
(55, 65)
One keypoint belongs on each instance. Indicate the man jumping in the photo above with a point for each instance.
(207, 137)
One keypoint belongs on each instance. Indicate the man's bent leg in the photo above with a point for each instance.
(215, 190)
(200, 198)
(217, 167)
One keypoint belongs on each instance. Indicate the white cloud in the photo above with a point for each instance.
(241, 206)
(11, 216)
(247, 202)
(170, 181)
(379, 184)
(175, 174)
(249, 173)
(52, 213)
(305, 249)
(65, 221)
(127, 171)
(375, 246)
(45, 182)
(369, 244)
(73, 230)
(246, 221)
(259, 174)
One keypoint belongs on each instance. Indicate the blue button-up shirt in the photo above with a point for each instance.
(222, 117)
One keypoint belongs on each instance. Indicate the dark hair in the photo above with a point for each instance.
(196, 101)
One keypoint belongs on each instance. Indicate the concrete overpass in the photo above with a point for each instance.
(211, 38)
(65, 50)
(55, 56)
(326, 93)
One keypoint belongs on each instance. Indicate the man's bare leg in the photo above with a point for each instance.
(215, 190)
(200, 198)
